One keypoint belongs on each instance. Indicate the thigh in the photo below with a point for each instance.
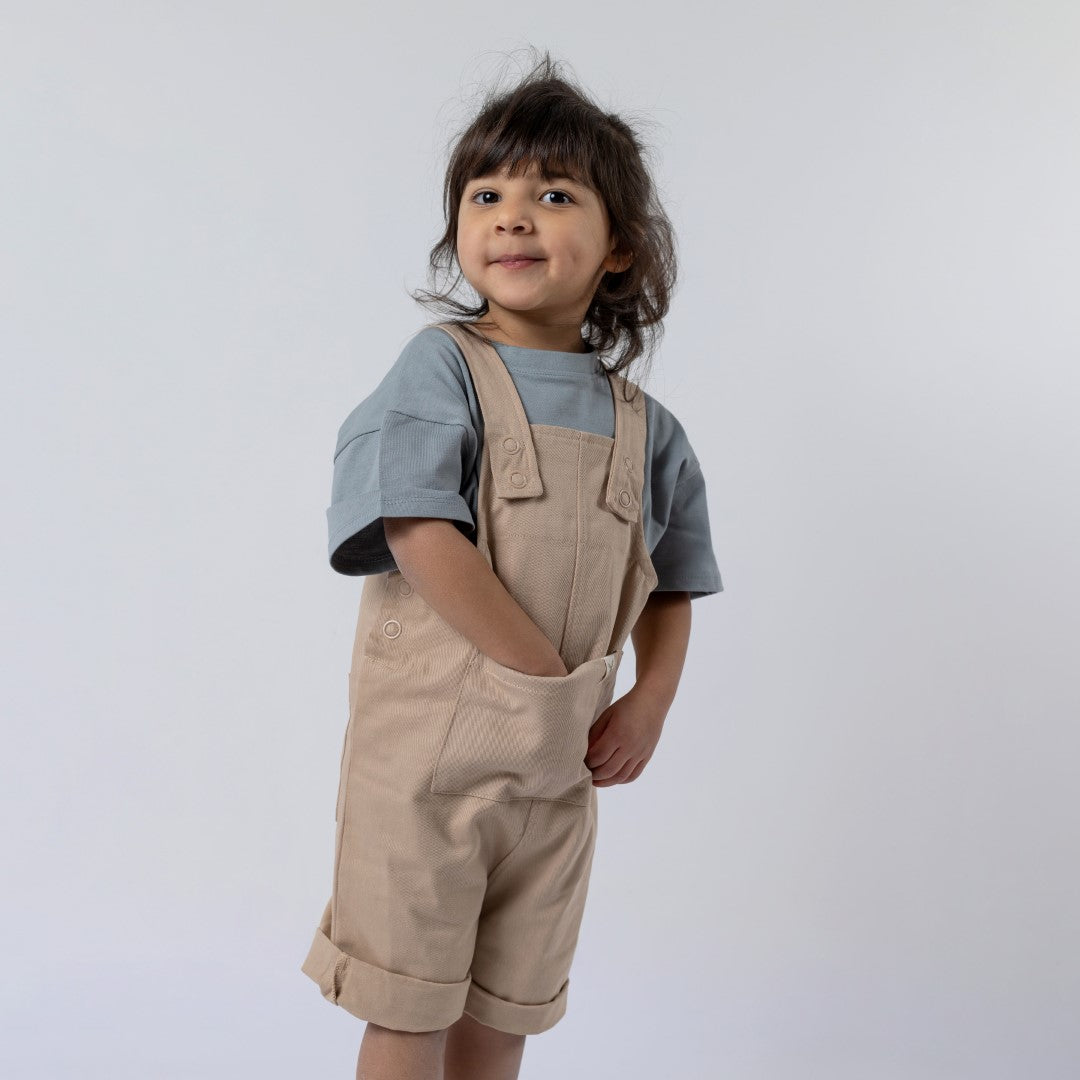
(528, 926)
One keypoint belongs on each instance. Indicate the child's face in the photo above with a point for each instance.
(562, 224)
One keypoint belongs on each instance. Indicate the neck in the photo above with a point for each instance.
(557, 337)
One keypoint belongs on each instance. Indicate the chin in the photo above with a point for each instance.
(513, 303)
(518, 309)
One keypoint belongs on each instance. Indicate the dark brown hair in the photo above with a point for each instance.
(553, 123)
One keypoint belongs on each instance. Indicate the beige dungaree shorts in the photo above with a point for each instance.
(466, 816)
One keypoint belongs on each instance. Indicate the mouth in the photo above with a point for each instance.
(517, 262)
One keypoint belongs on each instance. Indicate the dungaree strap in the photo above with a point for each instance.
(626, 477)
(515, 471)
(506, 427)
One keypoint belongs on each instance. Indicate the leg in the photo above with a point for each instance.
(475, 1051)
(386, 1054)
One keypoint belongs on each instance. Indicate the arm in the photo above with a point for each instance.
(660, 638)
(455, 579)
(624, 736)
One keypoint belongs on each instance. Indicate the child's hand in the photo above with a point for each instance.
(623, 738)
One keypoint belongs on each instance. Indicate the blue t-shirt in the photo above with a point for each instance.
(412, 449)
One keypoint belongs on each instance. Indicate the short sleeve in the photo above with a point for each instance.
(683, 558)
(407, 450)
(677, 525)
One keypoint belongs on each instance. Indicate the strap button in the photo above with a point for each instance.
(517, 479)
(624, 497)
(404, 588)
(628, 463)
(391, 628)
(512, 445)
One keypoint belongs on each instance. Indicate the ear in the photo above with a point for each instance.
(616, 264)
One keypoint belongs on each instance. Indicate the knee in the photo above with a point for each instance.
(469, 1027)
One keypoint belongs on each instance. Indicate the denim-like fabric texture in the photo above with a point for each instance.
(466, 815)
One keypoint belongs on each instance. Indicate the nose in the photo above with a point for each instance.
(512, 216)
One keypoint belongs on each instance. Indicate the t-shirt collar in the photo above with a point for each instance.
(548, 361)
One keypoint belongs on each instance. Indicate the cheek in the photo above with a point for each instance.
(472, 263)
(466, 251)
(581, 261)
(469, 244)
(579, 249)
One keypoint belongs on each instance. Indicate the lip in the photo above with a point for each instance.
(517, 262)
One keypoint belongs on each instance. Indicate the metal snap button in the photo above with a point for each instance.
(624, 497)
(391, 628)
(517, 479)
(404, 588)
(512, 445)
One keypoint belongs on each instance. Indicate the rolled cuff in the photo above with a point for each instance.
(387, 998)
(696, 589)
(357, 541)
(512, 1017)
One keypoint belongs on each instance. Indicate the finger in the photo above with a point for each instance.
(625, 775)
(600, 754)
(609, 770)
(599, 726)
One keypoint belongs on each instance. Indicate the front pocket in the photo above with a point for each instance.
(517, 736)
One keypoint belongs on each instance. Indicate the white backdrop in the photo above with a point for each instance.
(854, 853)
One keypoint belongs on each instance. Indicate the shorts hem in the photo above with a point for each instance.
(512, 1017)
(386, 998)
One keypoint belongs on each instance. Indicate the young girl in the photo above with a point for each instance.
(519, 508)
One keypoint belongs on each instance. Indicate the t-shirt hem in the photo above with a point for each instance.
(365, 510)
(696, 589)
